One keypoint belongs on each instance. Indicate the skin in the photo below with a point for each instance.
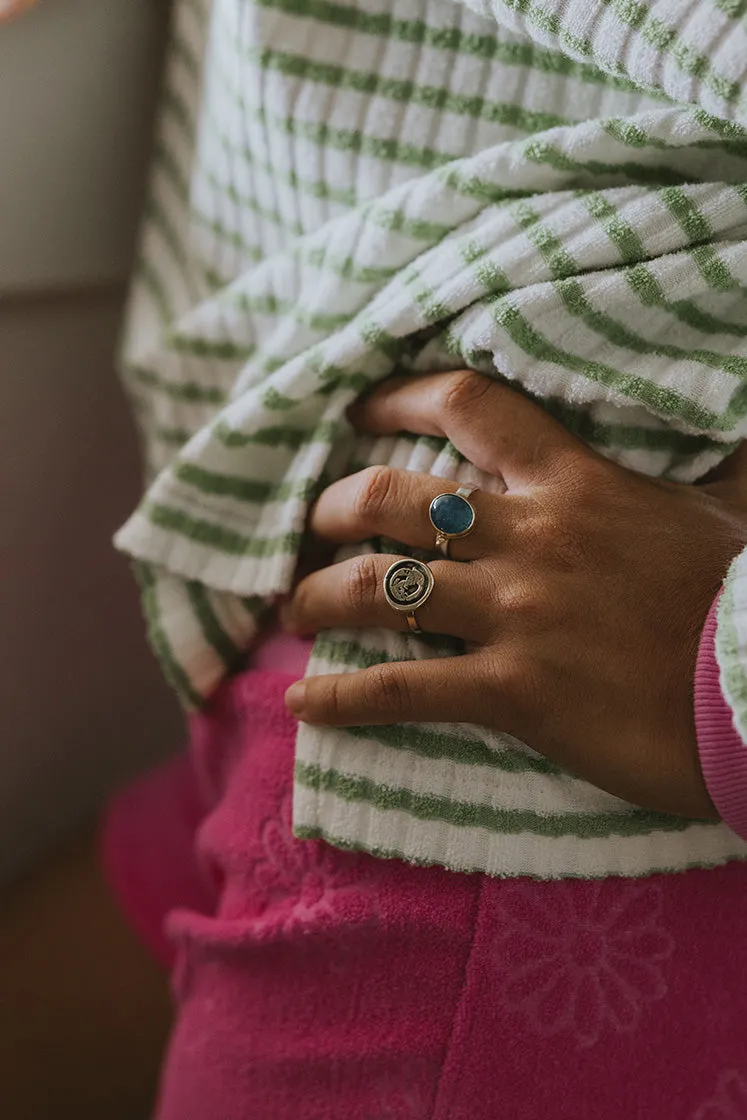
(585, 585)
(582, 586)
(581, 592)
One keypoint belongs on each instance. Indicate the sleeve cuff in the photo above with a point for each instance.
(723, 755)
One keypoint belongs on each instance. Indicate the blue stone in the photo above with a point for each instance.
(451, 515)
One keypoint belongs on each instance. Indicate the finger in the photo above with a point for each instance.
(384, 502)
(443, 689)
(351, 595)
(495, 427)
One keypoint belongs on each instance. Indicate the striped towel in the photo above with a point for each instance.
(334, 201)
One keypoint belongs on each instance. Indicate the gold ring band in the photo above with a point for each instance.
(412, 622)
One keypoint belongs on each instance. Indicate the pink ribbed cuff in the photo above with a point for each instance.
(723, 755)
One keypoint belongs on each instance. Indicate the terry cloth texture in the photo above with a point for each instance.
(550, 192)
(316, 984)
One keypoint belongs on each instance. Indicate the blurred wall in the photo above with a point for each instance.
(82, 703)
(77, 79)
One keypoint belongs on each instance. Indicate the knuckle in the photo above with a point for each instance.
(570, 550)
(329, 702)
(386, 690)
(591, 482)
(464, 390)
(530, 607)
(374, 490)
(517, 599)
(559, 533)
(534, 529)
(362, 583)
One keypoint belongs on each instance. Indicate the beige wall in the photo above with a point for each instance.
(81, 701)
(76, 88)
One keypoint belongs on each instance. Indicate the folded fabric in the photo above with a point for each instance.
(600, 265)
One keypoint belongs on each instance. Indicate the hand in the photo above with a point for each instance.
(582, 592)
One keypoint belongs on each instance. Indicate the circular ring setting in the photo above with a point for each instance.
(452, 516)
(407, 586)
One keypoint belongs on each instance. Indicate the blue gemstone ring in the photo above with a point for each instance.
(452, 516)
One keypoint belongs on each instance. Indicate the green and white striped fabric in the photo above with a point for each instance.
(731, 642)
(550, 192)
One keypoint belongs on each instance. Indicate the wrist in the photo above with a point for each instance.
(723, 754)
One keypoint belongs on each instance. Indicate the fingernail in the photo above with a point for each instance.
(295, 696)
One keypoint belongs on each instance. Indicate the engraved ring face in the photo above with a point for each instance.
(407, 584)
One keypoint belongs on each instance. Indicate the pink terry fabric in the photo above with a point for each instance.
(281, 653)
(723, 754)
(316, 984)
(146, 849)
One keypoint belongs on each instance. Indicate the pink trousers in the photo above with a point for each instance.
(314, 984)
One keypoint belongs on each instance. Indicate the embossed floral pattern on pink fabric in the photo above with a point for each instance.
(729, 1101)
(586, 962)
(315, 983)
(297, 881)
